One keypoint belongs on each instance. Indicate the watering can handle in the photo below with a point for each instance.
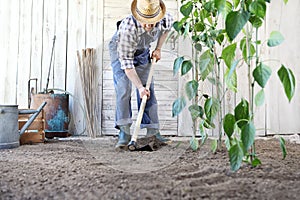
(32, 118)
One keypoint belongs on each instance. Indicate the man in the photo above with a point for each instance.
(130, 60)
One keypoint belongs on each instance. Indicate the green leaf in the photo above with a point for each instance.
(211, 108)
(214, 145)
(287, 78)
(194, 144)
(231, 77)
(196, 111)
(228, 54)
(196, 13)
(177, 64)
(198, 46)
(275, 39)
(241, 112)
(220, 38)
(258, 8)
(260, 98)
(227, 143)
(206, 64)
(227, 9)
(228, 124)
(236, 154)
(199, 27)
(186, 9)
(256, 21)
(255, 162)
(236, 3)
(235, 21)
(204, 14)
(177, 26)
(244, 49)
(186, 67)
(262, 74)
(204, 135)
(208, 6)
(248, 135)
(191, 89)
(186, 29)
(178, 105)
(285, 1)
(220, 5)
(207, 123)
(282, 146)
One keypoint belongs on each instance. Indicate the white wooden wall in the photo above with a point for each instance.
(26, 38)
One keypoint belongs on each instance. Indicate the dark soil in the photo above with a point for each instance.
(92, 169)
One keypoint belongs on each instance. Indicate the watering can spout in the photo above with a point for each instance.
(32, 118)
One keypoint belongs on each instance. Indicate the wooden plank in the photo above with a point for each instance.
(4, 8)
(76, 41)
(9, 50)
(100, 47)
(32, 137)
(91, 28)
(23, 117)
(24, 52)
(117, 4)
(37, 43)
(48, 36)
(36, 124)
(94, 33)
(59, 64)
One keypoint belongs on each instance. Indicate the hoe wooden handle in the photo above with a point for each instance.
(143, 104)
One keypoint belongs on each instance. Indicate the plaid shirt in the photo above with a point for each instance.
(130, 33)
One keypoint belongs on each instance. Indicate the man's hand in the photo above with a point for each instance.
(156, 54)
(143, 91)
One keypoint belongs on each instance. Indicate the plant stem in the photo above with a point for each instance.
(195, 77)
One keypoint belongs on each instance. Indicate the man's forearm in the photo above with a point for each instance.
(134, 78)
(161, 40)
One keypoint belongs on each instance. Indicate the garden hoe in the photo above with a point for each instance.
(132, 145)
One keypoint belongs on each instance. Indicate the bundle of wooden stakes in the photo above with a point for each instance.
(89, 83)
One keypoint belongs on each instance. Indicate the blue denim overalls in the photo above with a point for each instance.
(123, 85)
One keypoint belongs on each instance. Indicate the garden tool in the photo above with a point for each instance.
(132, 145)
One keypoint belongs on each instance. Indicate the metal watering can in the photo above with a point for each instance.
(9, 128)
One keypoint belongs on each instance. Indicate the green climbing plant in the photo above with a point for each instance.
(224, 33)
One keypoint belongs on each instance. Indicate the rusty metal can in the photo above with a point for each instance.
(56, 113)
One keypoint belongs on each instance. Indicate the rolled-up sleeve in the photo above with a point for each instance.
(127, 43)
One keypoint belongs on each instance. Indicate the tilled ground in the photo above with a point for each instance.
(92, 169)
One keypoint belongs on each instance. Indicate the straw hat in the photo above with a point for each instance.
(148, 11)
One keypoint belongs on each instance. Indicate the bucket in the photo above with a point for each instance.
(9, 133)
(56, 113)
